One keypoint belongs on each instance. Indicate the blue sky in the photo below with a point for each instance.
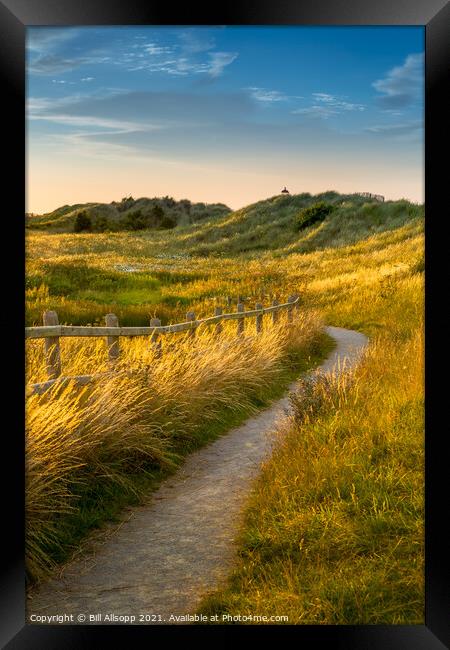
(227, 114)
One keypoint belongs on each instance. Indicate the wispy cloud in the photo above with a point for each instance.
(87, 133)
(403, 85)
(51, 64)
(137, 121)
(147, 107)
(42, 39)
(38, 105)
(316, 111)
(176, 59)
(86, 144)
(87, 121)
(264, 95)
(47, 51)
(189, 53)
(193, 42)
(338, 103)
(153, 48)
(327, 106)
(218, 61)
(183, 66)
(402, 131)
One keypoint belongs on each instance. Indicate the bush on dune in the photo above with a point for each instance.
(313, 214)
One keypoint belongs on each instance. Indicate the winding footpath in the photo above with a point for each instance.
(181, 545)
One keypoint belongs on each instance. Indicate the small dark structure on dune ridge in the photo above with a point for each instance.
(284, 191)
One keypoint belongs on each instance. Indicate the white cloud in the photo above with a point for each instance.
(194, 42)
(401, 131)
(403, 85)
(192, 57)
(219, 61)
(324, 97)
(190, 54)
(338, 102)
(327, 106)
(85, 144)
(118, 126)
(183, 65)
(37, 106)
(44, 39)
(264, 95)
(323, 112)
(153, 49)
(50, 64)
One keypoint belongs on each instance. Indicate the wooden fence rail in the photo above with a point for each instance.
(51, 332)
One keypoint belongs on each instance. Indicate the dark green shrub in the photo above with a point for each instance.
(185, 205)
(126, 203)
(157, 215)
(101, 224)
(168, 222)
(83, 222)
(136, 220)
(315, 213)
(284, 200)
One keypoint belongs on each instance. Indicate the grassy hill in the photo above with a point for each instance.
(140, 274)
(211, 229)
(162, 212)
(276, 223)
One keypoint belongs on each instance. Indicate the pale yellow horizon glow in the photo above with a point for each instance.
(51, 185)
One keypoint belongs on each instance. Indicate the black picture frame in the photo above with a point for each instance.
(15, 16)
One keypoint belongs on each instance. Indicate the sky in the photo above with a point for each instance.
(222, 114)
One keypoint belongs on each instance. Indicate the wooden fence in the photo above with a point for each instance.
(51, 331)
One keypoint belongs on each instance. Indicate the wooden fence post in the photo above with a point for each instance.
(259, 319)
(228, 302)
(155, 338)
(51, 346)
(112, 342)
(219, 327)
(290, 314)
(240, 323)
(191, 316)
(275, 303)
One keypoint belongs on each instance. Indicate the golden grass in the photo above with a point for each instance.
(333, 532)
(134, 417)
(322, 276)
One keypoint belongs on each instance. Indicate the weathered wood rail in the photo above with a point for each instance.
(51, 332)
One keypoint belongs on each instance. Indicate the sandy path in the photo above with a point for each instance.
(181, 545)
